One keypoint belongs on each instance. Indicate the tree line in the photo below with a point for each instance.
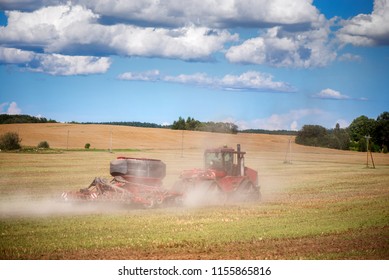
(192, 124)
(9, 119)
(134, 123)
(354, 137)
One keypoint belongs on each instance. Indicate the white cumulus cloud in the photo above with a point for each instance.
(13, 108)
(212, 13)
(15, 56)
(368, 29)
(55, 64)
(330, 94)
(152, 75)
(247, 81)
(279, 48)
(286, 121)
(74, 30)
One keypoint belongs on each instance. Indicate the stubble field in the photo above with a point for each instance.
(324, 205)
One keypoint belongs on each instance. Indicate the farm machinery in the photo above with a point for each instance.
(225, 178)
(138, 181)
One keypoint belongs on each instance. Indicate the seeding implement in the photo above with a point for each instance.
(138, 181)
(135, 181)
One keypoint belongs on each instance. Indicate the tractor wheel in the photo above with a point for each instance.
(246, 192)
(213, 194)
(201, 193)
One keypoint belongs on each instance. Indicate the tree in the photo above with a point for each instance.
(191, 124)
(340, 138)
(179, 125)
(312, 135)
(361, 127)
(10, 141)
(43, 145)
(381, 132)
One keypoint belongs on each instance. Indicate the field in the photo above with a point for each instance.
(324, 205)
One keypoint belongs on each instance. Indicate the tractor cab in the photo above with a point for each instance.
(224, 161)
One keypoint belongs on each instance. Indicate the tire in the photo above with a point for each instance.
(246, 192)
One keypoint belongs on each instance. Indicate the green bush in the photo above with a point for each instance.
(87, 146)
(43, 145)
(10, 141)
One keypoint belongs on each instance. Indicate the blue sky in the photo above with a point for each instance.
(260, 64)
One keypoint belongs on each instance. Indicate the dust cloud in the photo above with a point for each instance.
(52, 206)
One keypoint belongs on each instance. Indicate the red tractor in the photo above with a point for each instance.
(225, 178)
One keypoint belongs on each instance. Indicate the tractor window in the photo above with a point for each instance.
(213, 161)
(228, 163)
(220, 161)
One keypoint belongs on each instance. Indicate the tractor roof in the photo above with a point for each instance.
(224, 149)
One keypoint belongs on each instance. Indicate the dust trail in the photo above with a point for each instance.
(49, 206)
(201, 196)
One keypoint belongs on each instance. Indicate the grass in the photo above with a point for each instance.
(331, 209)
(182, 229)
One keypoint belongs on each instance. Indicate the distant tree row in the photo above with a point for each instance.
(7, 119)
(192, 124)
(318, 136)
(353, 137)
(265, 131)
(136, 124)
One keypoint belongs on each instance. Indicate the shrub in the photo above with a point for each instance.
(43, 145)
(10, 141)
(87, 146)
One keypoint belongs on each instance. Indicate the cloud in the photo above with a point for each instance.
(13, 108)
(291, 33)
(15, 56)
(169, 29)
(336, 95)
(2, 106)
(247, 81)
(27, 5)
(286, 121)
(152, 75)
(74, 30)
(211, 13)
(330, 94)
(43, 27)
(253, 80)
(342, 123)
(175, 13)
(350, 57)
(55, 64)
(367, 29)
(280, 48)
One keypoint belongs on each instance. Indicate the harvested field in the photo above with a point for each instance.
(325, 205)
